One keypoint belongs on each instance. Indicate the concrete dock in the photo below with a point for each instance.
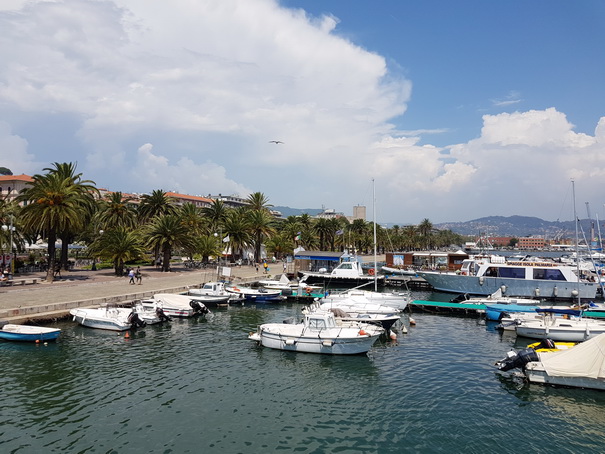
(45, 301)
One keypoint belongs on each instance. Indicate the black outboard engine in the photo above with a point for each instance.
(518, 360)
(135, 321)
(161, 315)
(460, 298)
(198, 308)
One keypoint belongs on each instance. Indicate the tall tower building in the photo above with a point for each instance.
(359, 212)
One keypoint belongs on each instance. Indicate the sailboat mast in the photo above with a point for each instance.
(374, 215)
(575, 216)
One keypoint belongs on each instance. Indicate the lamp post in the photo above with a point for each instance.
(11, 229)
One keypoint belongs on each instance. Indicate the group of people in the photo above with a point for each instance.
(135, 275)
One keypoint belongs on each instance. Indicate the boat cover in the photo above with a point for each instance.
(584, 360)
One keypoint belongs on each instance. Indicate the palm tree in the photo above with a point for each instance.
(165, 233)
(260, 223)
(425, 228)
(216, 214)
(206, 246)
(279, 245)
(119, 245)
(116, 211)
(322, 228)
(258, 201)
(67, 171)
(192, 218)
(53, 205)
(155, 204)
(237, 229)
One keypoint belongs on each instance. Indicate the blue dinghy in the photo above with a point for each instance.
(28, 333)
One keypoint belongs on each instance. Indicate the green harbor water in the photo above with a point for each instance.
(200, 386)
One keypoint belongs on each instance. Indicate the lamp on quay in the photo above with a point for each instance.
(11, 229)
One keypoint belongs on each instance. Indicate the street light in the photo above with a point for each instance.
(11, 229)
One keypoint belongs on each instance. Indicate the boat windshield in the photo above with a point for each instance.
(549, 274)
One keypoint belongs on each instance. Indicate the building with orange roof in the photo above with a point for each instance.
(11, 185)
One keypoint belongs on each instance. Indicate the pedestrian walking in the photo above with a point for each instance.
(285, 267)
(131, 276)
(138, 276)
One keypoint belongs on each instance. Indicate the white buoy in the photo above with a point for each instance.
(392, 335)
(412, 321)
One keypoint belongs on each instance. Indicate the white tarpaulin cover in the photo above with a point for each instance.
(584, 360)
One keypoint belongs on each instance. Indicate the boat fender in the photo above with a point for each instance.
(537, 292)
(481, 280)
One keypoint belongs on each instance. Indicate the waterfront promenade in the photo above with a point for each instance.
(85, 288)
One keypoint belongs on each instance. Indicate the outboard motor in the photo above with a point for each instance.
(135, 321)
(198, 308)
(460, 298)
(517, 359)
(161, 315)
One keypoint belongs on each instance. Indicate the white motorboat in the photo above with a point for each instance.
(348, 273)
(175, 305)
(150, 314)
(210, 294)
(385, 320)
(560, 328)
(397, 300)
(110, 318)
(582, 366)
(515, 278)
(318, 333)
(260, 295)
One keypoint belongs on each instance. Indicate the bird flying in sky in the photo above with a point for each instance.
(275, 141)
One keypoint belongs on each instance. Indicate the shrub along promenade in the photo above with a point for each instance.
(44, 301)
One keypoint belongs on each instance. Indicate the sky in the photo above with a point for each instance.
(439, 110)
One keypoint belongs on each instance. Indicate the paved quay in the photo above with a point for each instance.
(83, 288)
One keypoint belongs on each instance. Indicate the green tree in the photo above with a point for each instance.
(166, 233)
(53, 205)
(260, 223)
(115, 210)
(120, 245)
(237, 229)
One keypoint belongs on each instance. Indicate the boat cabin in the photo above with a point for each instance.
(318, 321)
(426, 260)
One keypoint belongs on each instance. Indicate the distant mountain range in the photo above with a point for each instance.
(519, 226)
(495, 226)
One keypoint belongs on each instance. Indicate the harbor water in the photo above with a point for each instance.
(200, 386)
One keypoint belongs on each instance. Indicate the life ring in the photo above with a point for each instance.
(371, 271)
(308, 290)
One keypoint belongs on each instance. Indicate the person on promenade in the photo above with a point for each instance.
(131, 276)
(138, 275)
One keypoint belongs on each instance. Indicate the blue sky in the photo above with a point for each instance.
(458, 110)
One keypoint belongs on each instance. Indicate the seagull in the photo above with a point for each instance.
(275, 141)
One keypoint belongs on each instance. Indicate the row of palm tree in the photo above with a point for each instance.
(59, 204)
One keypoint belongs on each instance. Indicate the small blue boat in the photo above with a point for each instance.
(28, 333)
(494, 311)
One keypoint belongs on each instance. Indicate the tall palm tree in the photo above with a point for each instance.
(216, 214)
(119, 245)
(261, 226)
(258, 201)
(323, 228)
(88, 190)
(425, 228)
(192, 218)
(237, 229)
(166, 233)
(115, 210)
(52, 205)
(155, 204)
